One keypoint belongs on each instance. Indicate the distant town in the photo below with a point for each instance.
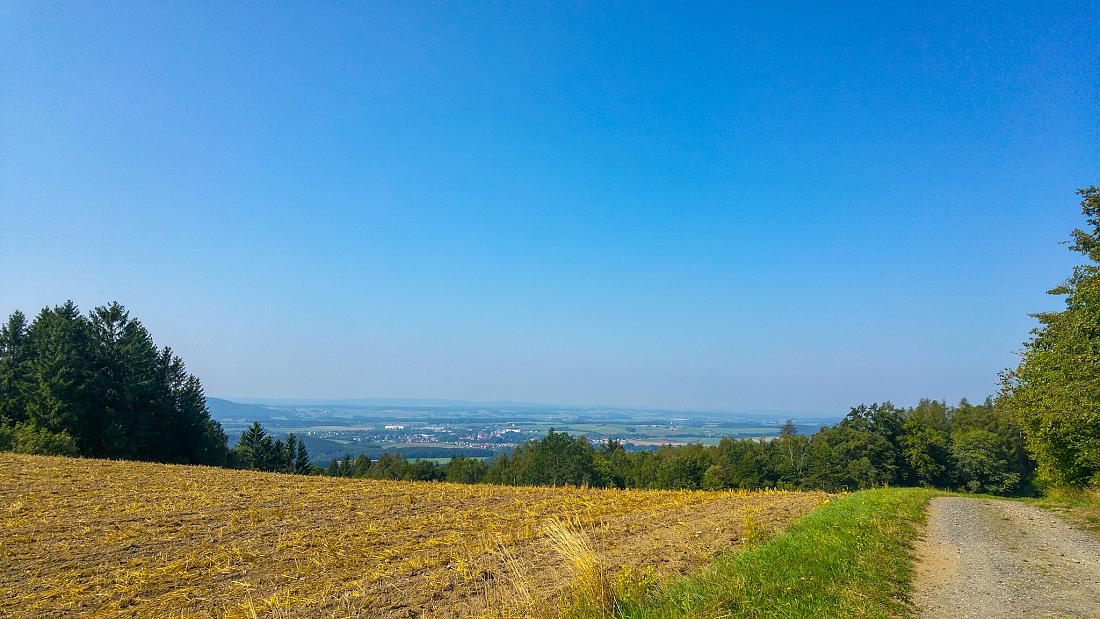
(421, 430)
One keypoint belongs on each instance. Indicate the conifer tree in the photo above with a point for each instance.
(302, 464)
(276, 456)
(14, 370)
(289, 453)
(99, 386)
(60, 372)
(250, 447)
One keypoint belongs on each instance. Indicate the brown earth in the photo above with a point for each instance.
(122, 539)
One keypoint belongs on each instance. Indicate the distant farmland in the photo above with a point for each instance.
(103, 538)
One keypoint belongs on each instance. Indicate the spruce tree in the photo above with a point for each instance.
(99, 386)
(250, 447)
(302, 465)
(296, 457)
(59, 371)
(14, 370)
(268, 456)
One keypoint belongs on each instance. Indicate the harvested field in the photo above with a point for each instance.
(120, 539)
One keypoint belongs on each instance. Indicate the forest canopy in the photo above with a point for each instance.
(97, 385)
(1055, 391)
(970, 447)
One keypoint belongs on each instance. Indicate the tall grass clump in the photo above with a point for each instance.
(593, 590)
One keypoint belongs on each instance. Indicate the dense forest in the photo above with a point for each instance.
(970, 447)
(98, 386)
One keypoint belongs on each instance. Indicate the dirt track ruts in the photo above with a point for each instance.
(992, 558)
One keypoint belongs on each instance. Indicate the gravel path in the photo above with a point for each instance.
(989, 558)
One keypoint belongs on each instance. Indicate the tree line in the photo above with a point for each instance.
(97, 385)
(259, 451)
(975, 448)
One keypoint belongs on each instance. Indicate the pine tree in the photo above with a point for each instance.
(250, 447)
(59, 371)
(277, 460)
(203, 440)
(268, 456)
(107, 428)
(298, 457)
(102, 382)
(15, 355)
(289, 451)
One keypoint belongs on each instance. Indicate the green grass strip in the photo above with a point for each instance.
(849, 558)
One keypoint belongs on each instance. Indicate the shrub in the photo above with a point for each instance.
(27, 438)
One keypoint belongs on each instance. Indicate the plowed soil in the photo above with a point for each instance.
(95, 538)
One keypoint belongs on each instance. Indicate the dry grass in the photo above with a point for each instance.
(120, 539)
(588, 573)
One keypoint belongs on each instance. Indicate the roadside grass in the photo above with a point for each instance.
(1081, 505)
(849, 558)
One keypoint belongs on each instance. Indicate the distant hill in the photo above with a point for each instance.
(397, 402)
(225, 410)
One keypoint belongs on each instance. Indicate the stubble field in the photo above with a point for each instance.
(118, 539)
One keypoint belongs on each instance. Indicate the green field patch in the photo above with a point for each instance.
(849, 558)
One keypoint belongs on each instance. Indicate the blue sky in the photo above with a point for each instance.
(725, 206)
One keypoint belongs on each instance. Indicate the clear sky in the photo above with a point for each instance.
(727, 207)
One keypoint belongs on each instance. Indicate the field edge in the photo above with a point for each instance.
(851, 557)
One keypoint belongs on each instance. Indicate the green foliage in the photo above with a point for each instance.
(258, 451)
(59, 393)
(15, 370)
(1055, 391)
(26, 438)
(979, 463)
(849, 558)
(556, 460)
(251, 450)
(100, 382)
(713, 478)
(465, 470)
(926, 452)
(634, 585)
(968, 447)
(925, 443)
(394, 466)
(298, 459)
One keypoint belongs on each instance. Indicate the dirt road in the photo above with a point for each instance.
(988, 558)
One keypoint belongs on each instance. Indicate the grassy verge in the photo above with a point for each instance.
(1080, 505)
(849, 558)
